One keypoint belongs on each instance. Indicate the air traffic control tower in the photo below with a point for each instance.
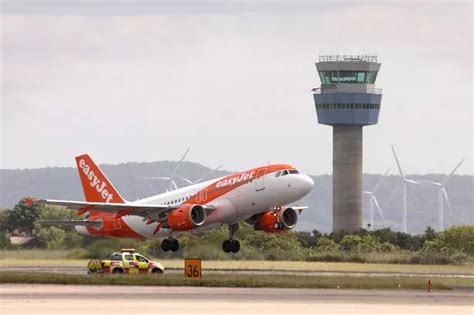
(348, 101)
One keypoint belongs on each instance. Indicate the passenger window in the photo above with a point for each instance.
(141, 258)
(116, 256)
(129, 257)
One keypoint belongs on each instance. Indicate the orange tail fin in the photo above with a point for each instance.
(96, 186)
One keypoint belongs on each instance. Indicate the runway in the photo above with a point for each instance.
(83, 271)
(72, 300)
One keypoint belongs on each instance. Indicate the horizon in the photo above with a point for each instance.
(225, 170)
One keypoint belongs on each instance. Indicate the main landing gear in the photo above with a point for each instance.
(170, 244)
(231, 245)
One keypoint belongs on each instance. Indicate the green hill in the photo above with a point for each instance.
(138, 180)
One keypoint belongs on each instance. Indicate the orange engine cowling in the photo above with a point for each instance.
(186, 218)
(277, 221)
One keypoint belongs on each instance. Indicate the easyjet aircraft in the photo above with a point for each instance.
(259, 196)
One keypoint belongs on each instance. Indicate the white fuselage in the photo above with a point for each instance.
(234, 206)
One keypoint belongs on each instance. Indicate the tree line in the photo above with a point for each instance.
(453, 245)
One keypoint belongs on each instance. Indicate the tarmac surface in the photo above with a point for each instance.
(22, 299)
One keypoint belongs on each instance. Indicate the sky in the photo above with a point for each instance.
(138, 81)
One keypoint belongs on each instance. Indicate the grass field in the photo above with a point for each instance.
(52, 258)
(239, 281)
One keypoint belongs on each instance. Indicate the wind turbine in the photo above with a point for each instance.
(374, 203)
(174, 175)
(171, 179)
(443, 195)
(402, 185)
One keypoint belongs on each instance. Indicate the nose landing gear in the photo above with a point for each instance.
(170, 244)
(231, 245)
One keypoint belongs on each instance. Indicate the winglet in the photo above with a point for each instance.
(96, 186)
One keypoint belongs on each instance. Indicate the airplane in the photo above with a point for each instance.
(259, 196)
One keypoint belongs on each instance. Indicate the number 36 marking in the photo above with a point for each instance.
(192, 268)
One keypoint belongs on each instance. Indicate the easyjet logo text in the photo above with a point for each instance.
(99, 185)
(236, 179)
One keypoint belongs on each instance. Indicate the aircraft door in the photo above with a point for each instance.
(260, 181)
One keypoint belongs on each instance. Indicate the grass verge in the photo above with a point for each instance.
(258, 264)
(251, 281)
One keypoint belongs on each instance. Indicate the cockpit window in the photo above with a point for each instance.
(294, 172)
(285, 172)
(278, 174)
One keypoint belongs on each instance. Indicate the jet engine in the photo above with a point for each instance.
(186, 218)
(275, 221)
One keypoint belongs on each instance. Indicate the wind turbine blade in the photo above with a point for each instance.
(452, 172)
(398, 163)
(367, 192)
(174, 184)
(424, 181)
(185, 153)
(380, 181)
(379, 210)
(180, 161)
(393, 194)
(185, 179)
(445, 194)
(208, 174)
(412, 181)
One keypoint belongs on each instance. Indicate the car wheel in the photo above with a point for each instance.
(117, 270)
(157, 271)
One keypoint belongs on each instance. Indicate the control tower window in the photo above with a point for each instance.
(328, 77)
(352, 76)
(363, 77)
(371, 76)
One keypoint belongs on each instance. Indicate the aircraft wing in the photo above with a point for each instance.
(94, 224)
(144, 210)
(156, 212)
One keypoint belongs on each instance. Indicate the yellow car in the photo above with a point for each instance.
(127, 261)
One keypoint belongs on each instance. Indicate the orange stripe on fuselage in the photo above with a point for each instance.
(227, 184)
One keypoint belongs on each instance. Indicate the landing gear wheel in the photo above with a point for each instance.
(227, 246)
(166, 245)
(235, 246)
(231, 246)
(170, 244)
(174, 244)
